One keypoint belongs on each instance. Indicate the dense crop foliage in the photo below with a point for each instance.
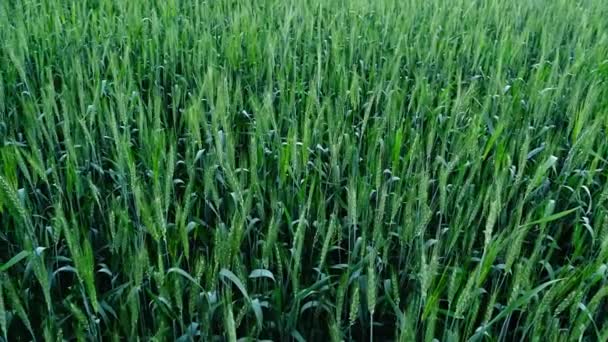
(303, 170)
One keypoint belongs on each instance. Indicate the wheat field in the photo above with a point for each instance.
(303, 170)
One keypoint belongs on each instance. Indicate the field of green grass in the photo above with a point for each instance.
(303, 170)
